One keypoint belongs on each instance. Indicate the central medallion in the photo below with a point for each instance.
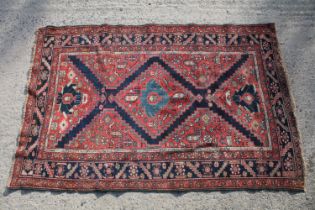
(153, 98)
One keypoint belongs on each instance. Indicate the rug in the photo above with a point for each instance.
(158, 107)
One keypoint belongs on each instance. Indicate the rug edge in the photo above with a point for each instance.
(30, 73)
(292, 104)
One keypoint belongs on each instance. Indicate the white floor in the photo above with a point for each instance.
(18, 21)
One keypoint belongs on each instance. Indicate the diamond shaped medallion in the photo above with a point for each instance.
(154, 99)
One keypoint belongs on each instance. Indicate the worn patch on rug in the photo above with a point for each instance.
(158, 107)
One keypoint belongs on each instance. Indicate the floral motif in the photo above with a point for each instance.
(235, 169)
(284, 136)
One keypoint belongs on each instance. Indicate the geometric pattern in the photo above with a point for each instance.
(158, 108)
(154, 136)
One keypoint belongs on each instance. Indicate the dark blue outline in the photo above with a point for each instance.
(87, 72)
(214, 86)
(171, 71)
(171, 128)
(82, 123)
(235, 124)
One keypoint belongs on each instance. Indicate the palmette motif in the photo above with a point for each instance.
(158, 108)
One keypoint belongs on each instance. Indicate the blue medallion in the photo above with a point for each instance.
(153, 98)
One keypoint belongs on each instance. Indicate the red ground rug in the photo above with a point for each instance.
(158, 107)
